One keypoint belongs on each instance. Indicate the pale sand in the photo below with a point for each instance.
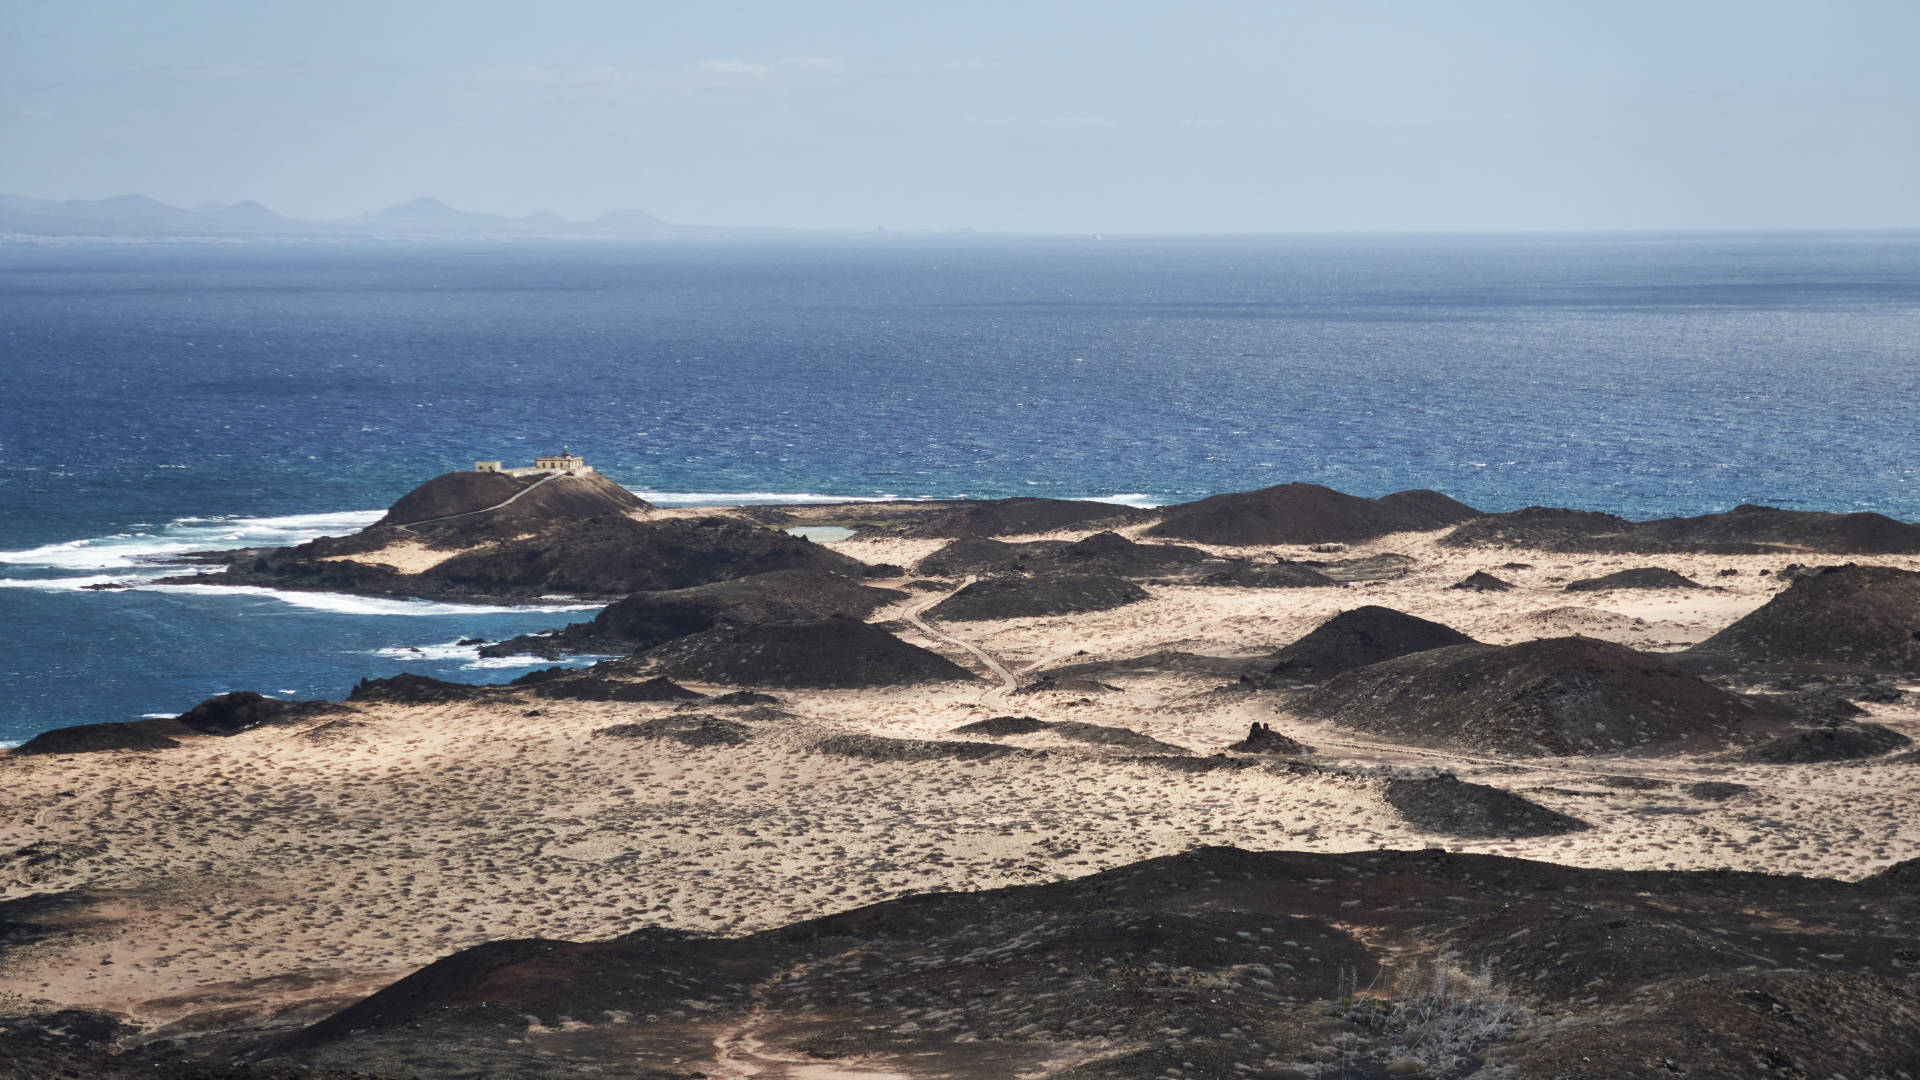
(406, 556)
(312, 862)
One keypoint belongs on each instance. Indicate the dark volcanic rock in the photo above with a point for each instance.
(1822, 706)
(1356, 638)
(1717, 790)
(615, 556)
(876, 748)
(695, 730)
(591, 688)
(744, 697)
(1111, 553)
(608, 556)
(1555, 696)
(1543, 527)
(1054, 684)
(646, 619)
(1306, 514)
(1745, 529)
(1095, 734)
(1862, 617)
(1015, 517)
(1003, 725)
(407, 688)
(1262, 739)
(469, 495)
(1108, 735)
(834, 653)
(1451, 806)
(1101, 553)
(229, 714)
(1161, 660)
(1481, 581)
(974, 555)
(1028, 597)
(96, 738)
(1643, 577)
(1202, 962)
(1832, 742)
(1275, 575)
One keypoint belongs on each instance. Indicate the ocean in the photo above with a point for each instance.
(172, 397)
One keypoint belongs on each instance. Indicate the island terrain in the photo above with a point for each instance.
(1283, 783)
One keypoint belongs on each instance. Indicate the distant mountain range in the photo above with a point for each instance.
(140, 216)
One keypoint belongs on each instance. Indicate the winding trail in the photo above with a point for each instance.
(1008, 684)
(514, 498)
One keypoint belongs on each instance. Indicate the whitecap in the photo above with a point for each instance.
(447, 651)
(57, 584)
(342, 604)
(756, 498)
(1136, 498)
(8, 744)
(486, 662)
(186, 534)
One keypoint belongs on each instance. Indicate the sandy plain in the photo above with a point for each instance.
(283, 871)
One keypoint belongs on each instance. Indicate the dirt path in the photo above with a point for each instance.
(516, 497)
(1008, 684)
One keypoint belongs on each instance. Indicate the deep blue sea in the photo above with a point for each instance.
(162, 397)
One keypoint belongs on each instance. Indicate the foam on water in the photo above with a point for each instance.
(343, 604)
(454, 651)
(134, 552)
(757, 498)
(490, 662)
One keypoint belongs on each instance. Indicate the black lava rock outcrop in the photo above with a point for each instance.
(407, 688)
(1640, 577)
(592, 688)
(1481, 581)
(1202, 962)
(1556, 696)
(996, 726)
(1306, 514)
(1262, 739)
(1356, 638)
(1856, 617)
(615, 556)
(1025, 516)
(230, 714)
(833, 653)
(1446, 804)
(1030, 597)
(604, 557)
(1274, 575)
(646, 619)
(1745, 529)
(98, 738)
(1828, 742)
(466, 499)
(1102, 553)
(695, 730)
(879, 748)
(1111, 553)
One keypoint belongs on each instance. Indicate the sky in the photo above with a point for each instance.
(1073, 116)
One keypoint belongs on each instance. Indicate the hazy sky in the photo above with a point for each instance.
(1076, 116)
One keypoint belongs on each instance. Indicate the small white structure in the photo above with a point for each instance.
(564, 463)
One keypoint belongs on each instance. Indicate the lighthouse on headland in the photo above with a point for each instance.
(566, 463)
